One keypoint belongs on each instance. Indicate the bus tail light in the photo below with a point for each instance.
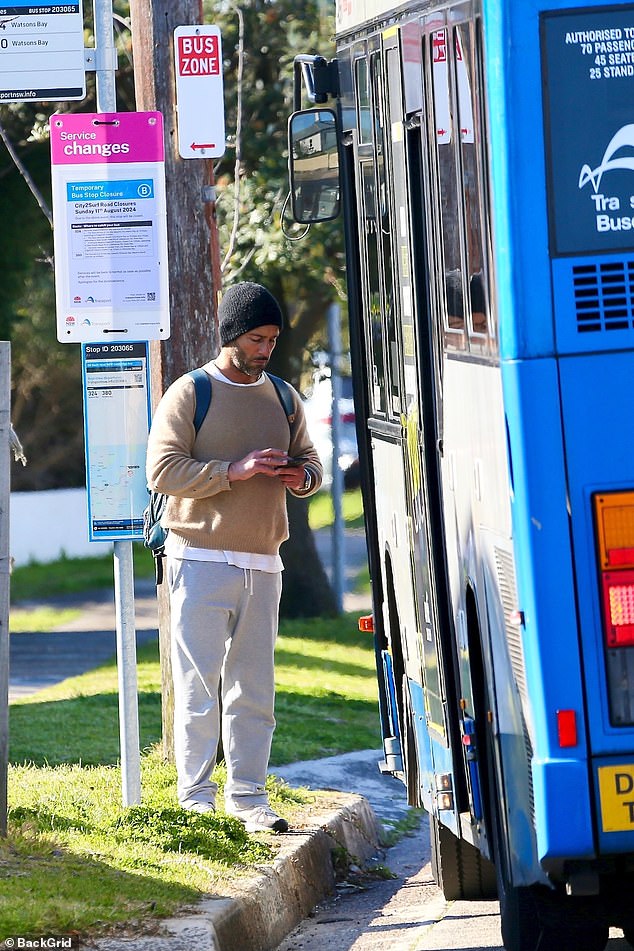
(618, 608)
(366, 624)
(614, 521)
(566, 728)
(614, 515)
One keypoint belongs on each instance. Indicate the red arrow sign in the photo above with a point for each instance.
(203, 145)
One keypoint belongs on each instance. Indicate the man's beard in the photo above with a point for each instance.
(241, 363)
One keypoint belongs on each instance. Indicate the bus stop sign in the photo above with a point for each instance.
(199, 92)
(41, 52)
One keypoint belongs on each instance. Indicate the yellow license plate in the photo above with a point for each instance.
(616, 789)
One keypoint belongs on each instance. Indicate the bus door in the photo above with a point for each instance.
(382, 307)
(460, 355)
(404, 92)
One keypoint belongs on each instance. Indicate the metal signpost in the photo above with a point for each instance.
(199, 93)
(42, 59)
(42, 52)
(123, 564)
(117, 420)
(112, 281)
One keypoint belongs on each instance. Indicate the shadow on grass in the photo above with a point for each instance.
(310, 727)
(304, 662)
(78, 730)
(85, 730)
(48, 886)
(55, 890)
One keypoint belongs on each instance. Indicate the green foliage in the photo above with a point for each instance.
(55, 579)
(306, 275)
(75, 859)
(214, 836)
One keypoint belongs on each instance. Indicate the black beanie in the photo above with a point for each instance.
(246, 306)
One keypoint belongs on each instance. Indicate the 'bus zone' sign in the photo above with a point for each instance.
(199, 91)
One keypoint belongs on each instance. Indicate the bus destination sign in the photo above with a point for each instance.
(42, 52)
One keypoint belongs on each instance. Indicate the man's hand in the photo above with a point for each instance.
(259, 462)
(293, 477)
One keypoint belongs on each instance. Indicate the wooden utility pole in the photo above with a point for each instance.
(194, 272)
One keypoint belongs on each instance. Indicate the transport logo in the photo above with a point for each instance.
(624, 138)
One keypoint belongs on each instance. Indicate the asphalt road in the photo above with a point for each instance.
(406, 912)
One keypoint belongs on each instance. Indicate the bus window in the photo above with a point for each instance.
(401, 234)
(372, 285)
(364, 115)
(384, 180)
(471, 189)
(450, 203)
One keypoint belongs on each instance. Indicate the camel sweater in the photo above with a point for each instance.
(205, 510)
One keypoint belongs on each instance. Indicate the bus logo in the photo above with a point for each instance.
(624, 138)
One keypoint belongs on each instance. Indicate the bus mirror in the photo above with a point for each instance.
(314, 165)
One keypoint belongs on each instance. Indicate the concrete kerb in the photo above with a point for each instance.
(261, 910)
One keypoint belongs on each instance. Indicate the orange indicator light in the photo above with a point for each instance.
(366, 624)
(615, 529)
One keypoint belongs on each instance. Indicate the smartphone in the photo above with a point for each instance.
(295, 462)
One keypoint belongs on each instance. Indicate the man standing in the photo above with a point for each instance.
(226, 515)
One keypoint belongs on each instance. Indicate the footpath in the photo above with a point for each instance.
(258, 913)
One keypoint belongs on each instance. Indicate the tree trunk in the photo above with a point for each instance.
(306, 591)
(192, 243)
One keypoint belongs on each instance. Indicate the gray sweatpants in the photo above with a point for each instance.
(224, 624)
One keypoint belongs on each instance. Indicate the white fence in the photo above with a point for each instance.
(48, 524)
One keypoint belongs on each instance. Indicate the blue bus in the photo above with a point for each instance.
(481, 154)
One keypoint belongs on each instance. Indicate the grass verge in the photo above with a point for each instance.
(321, 512)
(41, 619)
(326, 701)
(72, 575)
(76, 860)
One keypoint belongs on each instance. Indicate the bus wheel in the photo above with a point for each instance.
(537, 919)
(459, 869)
(518, 919)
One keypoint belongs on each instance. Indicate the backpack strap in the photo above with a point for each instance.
(202, 386)
(285, 396)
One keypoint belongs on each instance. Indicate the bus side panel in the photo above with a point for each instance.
(546, 596)
(520, 231)
(504, 674)
(423, 745)
(598, 410)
